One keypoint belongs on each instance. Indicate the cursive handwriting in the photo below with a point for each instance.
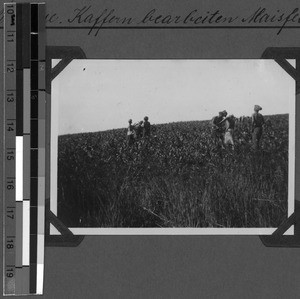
(262, 16)
(192, 18)
(94, 20)
(106, 17)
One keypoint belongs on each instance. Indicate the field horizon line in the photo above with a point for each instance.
(162, 124)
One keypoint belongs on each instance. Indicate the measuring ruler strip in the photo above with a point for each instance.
(26, 15)
(38, 146)
(42, 148)
(9, 218)
(24, 139)
(33, 144)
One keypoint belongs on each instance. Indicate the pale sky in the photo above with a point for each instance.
(97, 95)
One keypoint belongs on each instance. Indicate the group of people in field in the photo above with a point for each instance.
(138, 130)
(223, 128)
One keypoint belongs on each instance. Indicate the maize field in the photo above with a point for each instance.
(179, 177)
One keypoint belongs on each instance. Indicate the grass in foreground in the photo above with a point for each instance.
(177, 178)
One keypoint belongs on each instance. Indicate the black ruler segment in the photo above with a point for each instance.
(32, 284)
(34, 75)
(34, 17)
(19, 39)
(33, 244)
(33, 191)
(34, 133)
(34, 104)
(33, 221)
(34, 46)
(26, 35)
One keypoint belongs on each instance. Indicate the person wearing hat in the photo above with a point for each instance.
(229, 122)
(138, 129)
(257, 126)
(218, 128)
(146, 127)
(130, 132)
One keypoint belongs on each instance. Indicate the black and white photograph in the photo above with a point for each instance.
(172, 146)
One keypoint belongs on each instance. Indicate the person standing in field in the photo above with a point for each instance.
(146, 127)
(138, 130)
(130, 133)
(229, 129)
(257, 126)
(218, 127)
